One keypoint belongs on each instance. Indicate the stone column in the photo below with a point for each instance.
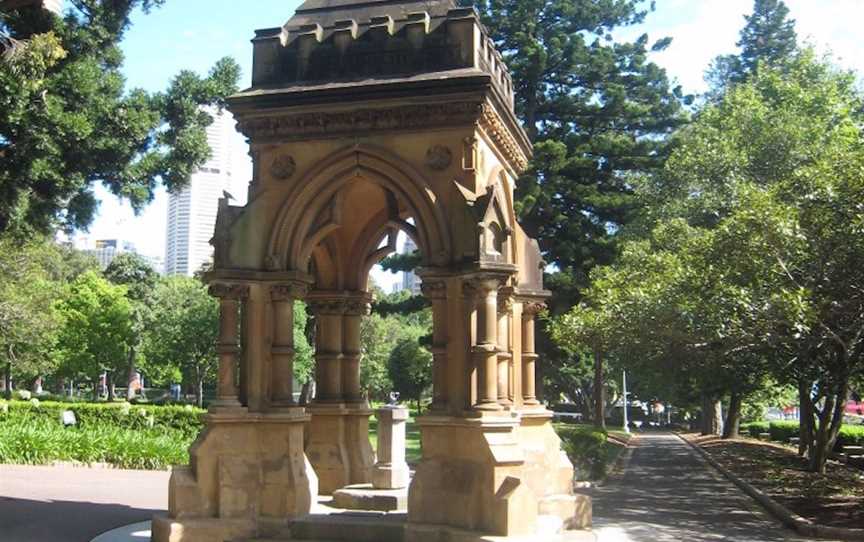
(436, 292)
(391, 470)
(530, 310)
(505, 309)
(328, 350)
(230, 297)
(485, 352)
(282, 351)
(355, 310)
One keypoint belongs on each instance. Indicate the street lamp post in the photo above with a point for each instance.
(626, 422)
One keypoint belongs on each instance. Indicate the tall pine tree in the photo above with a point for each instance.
(598, 112)
(768, 38)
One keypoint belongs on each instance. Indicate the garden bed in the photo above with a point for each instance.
(835, 499)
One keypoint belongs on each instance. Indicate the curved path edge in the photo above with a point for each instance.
(789, 518)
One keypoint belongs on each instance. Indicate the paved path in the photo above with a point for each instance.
(669, 493)
(64, 504)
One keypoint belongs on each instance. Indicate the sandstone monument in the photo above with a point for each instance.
(367, 118)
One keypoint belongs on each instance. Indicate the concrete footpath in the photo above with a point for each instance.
(670, 494)
(66, 504)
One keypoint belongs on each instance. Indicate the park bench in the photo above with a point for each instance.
(765, 436)
(795, 441)
(854, 455)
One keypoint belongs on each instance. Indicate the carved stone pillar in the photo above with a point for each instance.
(282, 351)
(230, 297)
(505, 357)
(355, 310)
(436, 292)
(328, 349)
(530, 310)
(485, 352)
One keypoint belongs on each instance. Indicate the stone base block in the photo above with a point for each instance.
(389, 476)
(437, 533)
(575, 511)
(166, 529)
(366, 497)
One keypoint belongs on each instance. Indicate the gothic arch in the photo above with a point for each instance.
(299, 229)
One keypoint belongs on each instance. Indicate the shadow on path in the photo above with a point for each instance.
(668, 493)
(24, 520)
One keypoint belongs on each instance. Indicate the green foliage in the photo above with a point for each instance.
(586, 447)
(783, 431)
(185, 420)
(67, 121)
(97, 327)
(410, 369)
(396, 263)
(134, 272)
(754, 429)
(598, 111)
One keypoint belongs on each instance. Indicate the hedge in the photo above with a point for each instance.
(98, 416)
(850, 435)
(587, 449)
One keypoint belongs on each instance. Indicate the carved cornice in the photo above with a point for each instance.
(289, 292)
(233, 292)
(294, 126)
(494, 127)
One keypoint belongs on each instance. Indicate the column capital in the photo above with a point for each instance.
(330, 307)
(289, 291)
(531, 308)
(226, 291)
(434, 288)
(505, 299)
(357, 307)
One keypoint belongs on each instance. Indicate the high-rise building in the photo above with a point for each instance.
(192, 210)
(108, 249)
(410, 281)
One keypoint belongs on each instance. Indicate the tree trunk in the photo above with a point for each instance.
(830, 421)
(7, 379)
(112, 390)
(732, 427)
(131, 375)
(599, 403)
(199, 392)
(96, 389)
(305, 393)
(805, 417)
(712, 418)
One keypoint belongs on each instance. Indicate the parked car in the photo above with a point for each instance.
(855, 408)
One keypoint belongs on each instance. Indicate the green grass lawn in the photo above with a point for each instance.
(412, 438)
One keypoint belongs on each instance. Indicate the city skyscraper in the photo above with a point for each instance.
(410, 281)
(192, 210)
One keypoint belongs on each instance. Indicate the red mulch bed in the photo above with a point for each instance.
(835, 499)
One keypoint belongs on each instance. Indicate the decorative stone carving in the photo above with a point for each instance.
(288, 292)
(273, 263)
(234, 292)
(357, 308)
(283, 167)
(533, 308)
(434, 289)
(439, 157)
(328, 306)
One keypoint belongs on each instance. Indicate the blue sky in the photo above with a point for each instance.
(194, 34)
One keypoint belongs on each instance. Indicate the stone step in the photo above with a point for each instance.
(350, 528)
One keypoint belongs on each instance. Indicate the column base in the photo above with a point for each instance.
(248, 473)
(339, 446)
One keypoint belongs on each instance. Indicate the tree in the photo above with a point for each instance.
(181, 341)
(139, 278)
(768, 38)
(596, 110)
(97, 328)
(29, 286)
(410, 369)
(67, 121)
(774, 172)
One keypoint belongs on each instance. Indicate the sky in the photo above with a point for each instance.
(194, 34)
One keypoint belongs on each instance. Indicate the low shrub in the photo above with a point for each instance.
(184, 420)
(783, 431)
(40, 442)
(754, 429)
(587, 448)
(850, 435)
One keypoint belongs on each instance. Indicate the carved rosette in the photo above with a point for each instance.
(233, 292)
(439, 158)
(283, 167)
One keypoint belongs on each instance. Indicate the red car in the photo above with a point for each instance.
(855, 408)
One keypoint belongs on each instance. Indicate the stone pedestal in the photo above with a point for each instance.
(391, 470)
(248, 476)
(339, 446)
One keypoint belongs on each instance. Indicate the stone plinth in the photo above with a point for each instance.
(391, 470)
(366, 497)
